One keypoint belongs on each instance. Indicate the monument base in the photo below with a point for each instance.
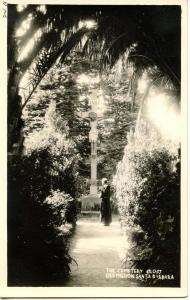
(94, 190)
(90, 202)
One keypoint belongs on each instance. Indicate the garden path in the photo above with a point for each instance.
(95, 248)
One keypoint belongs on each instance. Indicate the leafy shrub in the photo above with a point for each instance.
(147, 186)
(63, 205)
(38, 231)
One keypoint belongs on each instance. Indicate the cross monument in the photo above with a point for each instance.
(93, 115)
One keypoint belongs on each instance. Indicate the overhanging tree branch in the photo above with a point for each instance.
(49, 61)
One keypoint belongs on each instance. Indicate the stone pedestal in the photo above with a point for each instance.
(90, 203)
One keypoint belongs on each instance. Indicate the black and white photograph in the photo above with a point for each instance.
(94, 145)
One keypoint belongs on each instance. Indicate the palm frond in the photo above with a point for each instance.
(46, 59)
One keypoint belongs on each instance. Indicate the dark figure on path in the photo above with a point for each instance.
(105, 207)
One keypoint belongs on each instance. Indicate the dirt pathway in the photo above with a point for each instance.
(96, 248)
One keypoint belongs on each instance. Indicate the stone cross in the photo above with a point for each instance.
(93, 115)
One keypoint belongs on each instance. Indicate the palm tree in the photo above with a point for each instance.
(147, 34)
(49, 45)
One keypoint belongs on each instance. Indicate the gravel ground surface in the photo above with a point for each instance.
(98, 250)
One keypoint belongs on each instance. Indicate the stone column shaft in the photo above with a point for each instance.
(93, 182)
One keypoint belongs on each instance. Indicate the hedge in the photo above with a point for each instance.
(147, 186)
(40, 221)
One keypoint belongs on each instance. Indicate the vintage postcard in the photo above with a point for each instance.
(93, 148)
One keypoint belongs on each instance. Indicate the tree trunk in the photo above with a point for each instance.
(15, 122)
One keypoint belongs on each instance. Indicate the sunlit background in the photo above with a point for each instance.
(96, 96)
(162, 109)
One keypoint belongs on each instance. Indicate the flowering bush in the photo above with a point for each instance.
(63, 206)
(147, 186)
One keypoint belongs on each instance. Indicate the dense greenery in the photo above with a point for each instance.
(38, 251)
(61, 88)
(147, 187)
(41, 203)
(122, 105)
